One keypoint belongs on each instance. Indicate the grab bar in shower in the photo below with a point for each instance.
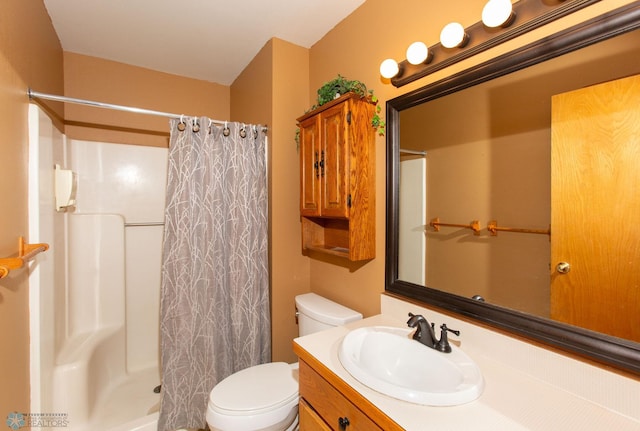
(145, 224)
(26, 252)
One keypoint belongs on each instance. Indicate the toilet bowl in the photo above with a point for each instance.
(265, 397)
(260, 398)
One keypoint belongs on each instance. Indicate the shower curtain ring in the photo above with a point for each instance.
(181, 125)
(196, 125)
(243, 132)
(226, 130)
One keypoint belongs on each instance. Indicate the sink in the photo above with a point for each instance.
(388, 360)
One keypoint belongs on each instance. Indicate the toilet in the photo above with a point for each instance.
(265, 397)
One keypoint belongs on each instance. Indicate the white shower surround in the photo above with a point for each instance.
(94, 297)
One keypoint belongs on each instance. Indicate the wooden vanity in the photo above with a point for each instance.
(527, 388)
(329, 403)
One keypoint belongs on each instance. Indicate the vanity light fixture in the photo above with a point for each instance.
(419, 53)
(498, 13)
(389, 68)
(453, 36)
(502, 20)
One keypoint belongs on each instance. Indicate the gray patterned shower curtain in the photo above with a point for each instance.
(215, 317)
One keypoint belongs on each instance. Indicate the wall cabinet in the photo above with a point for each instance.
(337, 178)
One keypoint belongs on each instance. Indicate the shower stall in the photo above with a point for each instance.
(94, 296)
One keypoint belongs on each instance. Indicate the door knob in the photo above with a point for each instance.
(563, 267)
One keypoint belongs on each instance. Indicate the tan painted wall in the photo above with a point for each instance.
(276, 83)
(108, 81)
(354, 49)
(252, 91)
(290, 270)
(30, 55)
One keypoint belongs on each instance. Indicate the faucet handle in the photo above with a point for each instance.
(453, 331)
(443, 344)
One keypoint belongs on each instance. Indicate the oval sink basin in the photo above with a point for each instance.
(388, 360)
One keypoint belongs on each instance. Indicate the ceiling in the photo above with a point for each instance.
(212, 40)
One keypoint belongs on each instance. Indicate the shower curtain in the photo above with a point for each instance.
(215, 317)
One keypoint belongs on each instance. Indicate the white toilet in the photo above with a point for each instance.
(265, 397)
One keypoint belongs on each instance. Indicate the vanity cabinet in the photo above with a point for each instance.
(309, 420)
(337, 178)
(327, 403)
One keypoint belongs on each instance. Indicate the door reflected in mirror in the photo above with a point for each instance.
(485, 154)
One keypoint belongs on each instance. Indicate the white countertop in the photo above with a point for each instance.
(512, 400)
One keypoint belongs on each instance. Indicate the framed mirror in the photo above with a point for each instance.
(471, 227)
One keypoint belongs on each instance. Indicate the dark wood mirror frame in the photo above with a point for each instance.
(612, 351)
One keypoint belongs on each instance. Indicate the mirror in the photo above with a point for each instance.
(477, 146)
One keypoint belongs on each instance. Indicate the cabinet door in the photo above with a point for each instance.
(338, 412)
(310, 167)
(334, 161)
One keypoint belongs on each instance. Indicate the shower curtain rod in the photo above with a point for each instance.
(37, 95)
(416, 152)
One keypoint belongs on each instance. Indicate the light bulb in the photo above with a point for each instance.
(497, 13)
(453, 35)
(417, 53)
(389, 68)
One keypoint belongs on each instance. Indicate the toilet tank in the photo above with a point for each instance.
(316, 313)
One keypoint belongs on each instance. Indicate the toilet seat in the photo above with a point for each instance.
(255, 398)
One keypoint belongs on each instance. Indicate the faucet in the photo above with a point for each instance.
(425, 333)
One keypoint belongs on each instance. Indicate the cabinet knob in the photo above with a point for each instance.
(343, 423)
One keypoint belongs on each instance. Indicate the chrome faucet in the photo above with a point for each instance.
(425, 333)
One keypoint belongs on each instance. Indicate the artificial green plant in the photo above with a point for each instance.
(339, 86)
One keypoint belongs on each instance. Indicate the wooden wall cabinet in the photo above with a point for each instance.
(337, 178)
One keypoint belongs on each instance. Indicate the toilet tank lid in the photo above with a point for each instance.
(324, 310)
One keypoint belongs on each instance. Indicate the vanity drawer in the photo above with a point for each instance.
(330, 405)
(309, 419)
